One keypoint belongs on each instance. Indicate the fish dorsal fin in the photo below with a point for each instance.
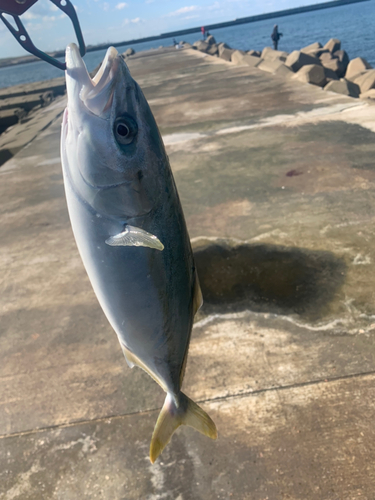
(197, 296)
(135, 237)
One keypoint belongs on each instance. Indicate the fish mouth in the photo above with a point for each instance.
(96, 94)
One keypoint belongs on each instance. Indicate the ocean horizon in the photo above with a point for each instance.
(353, 24)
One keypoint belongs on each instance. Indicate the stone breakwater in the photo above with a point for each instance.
(326, 66)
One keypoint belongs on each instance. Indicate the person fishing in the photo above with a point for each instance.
(203, 30)
(276, 36)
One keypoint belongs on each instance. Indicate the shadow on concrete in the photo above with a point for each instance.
(268, 278)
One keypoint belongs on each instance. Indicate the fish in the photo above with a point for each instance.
(130, 230)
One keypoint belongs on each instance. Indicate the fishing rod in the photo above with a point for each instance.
(15, 9)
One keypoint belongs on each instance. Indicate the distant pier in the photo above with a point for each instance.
(261, 17)
(242, 20)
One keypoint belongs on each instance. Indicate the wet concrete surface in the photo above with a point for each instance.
(277, 184)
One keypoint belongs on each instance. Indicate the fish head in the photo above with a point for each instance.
(111, 144)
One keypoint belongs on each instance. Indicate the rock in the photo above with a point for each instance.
(265, 50)
(251, 60)
(272, 54)
(297, 59)
(237, 56)
(253, 53)
(313, 47)
(356, 66)
(226, 54)
(366, 80)
(201, 45)
(358, 76)
(129, 52)
(213, 49)
(370, 94)
(222, 46)
(187, 45)
(211, 40)
(342, 56)
(317, 53)
(284, 71)
(270, 65)
(311, 73)
(330, 74)
(336, 66)
(344, 87)
(325, 57)
(182, 42)
(333, 45)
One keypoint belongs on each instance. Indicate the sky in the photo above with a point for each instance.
(114, 21)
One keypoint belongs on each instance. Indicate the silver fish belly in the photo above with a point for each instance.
(130, 230)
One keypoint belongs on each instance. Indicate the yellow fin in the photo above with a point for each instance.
(132, 360)
(172, 416)
(197, 297)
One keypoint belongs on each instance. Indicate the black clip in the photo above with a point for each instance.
(15, 8)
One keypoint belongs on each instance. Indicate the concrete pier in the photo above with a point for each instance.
(277, 181)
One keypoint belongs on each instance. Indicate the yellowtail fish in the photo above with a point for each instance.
(130, 230)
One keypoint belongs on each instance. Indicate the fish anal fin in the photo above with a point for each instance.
(132, 359)
(125, 351)
(171, 417)
(135, 237)
(197, 296)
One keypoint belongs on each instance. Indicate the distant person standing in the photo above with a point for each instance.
(276, 36)
(203, 30)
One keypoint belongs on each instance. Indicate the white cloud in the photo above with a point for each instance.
(29, 15)
(183, 10)
(126, 21)
(121, 5)
(105, 6)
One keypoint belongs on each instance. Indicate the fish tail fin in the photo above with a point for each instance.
(176, 411)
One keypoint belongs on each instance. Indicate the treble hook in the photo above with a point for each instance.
(16, 8)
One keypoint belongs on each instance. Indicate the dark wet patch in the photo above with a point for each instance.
(336, 132)
(268, 278)
(293, 173)
(357, 143)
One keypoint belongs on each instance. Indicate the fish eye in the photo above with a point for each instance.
(125, 129)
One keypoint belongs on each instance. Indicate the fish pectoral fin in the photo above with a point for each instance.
(172, 416)
(135, 237)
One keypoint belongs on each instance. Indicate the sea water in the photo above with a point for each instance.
(353, 24)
